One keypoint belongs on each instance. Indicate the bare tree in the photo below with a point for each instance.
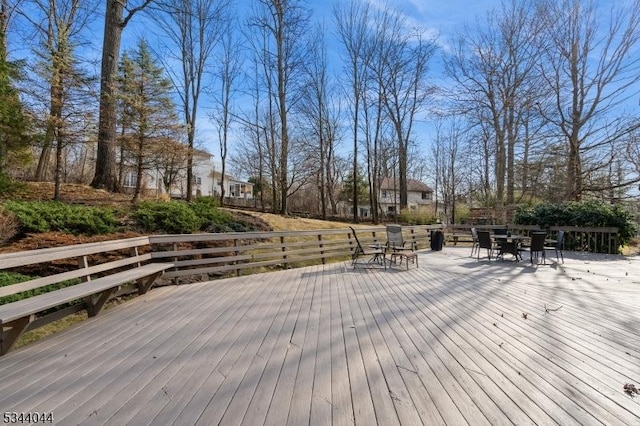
(193, 29)
(494, 67)
(405, 60)
(229, 73)
(58, 28)
(284, 22)
(263, 120)
(449, 166)
(114, 22)
(320, 117)
(353, 26)
(591, 70)
(171, 161)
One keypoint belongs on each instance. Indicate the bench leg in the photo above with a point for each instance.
(94, 304)
(144, 284)
(9, 337)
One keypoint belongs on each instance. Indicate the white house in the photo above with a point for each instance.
(206, 181)
(418, 195)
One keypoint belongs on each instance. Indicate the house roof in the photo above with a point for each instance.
(202, 153)
(216, 174)
(412, 185)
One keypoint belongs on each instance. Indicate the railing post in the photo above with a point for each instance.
(83, 263)
(236, 253)
(320, 245)
(284, 251)
(133, 252)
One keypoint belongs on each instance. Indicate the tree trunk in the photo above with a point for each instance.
(105, 174)
(574, 170)
(282, 100)
(58, 173)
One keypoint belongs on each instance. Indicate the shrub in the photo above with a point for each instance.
(45, 216)
(9, 226)
(206, 208)
(173, 217)
(417, 217)
(9, 187)
(585, 214)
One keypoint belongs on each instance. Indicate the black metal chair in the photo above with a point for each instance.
(484, 242)
(500, 231)
(497, 232)
(557, 246)
(537, 247)
(476, 244)
(396, 248)
(376, 254)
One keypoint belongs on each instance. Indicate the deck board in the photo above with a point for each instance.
(445, 343)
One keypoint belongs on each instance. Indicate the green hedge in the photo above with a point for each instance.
(173, 217)
(46, 216)
(179, 217)
(583, 214)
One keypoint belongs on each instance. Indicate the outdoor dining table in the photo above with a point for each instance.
(509, 244)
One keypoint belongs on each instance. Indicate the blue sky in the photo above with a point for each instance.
(440, 18)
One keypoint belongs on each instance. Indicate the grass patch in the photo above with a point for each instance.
(49, 329)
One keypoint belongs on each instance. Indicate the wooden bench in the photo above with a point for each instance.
(20, 316)
(459, 238)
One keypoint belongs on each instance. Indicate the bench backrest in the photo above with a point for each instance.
(119, 255)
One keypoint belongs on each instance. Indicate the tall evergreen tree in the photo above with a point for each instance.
(147, 110)
(13, 122)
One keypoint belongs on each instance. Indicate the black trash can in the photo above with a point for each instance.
(437, 240)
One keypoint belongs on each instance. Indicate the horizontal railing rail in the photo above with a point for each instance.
(577, 238)
(206, 256)
(247, 252)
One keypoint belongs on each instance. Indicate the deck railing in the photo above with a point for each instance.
(204, 256)
(247, 252)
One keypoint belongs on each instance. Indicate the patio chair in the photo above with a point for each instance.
(537, 247)
(557, 246)
(500, 231)
(475, 244)
(396, 246)
(376, 254)
(497, 232)
(484, 242)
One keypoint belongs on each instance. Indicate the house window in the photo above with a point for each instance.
(130, 180)
(391, 209)
(234, 190)
(425, 195)
(198, 180)
(384, 194)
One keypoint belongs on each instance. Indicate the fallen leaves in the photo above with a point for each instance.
(631, 389)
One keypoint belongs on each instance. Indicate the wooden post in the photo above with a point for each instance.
(134, 253)
(83, 263)
(320, 245)
(284, 250)
(175, 280)
(236, 253)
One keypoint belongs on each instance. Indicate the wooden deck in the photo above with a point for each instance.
(445, 343)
